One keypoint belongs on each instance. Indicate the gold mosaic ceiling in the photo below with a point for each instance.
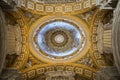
(33, 17)
(74, 45)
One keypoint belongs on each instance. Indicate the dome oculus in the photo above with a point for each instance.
(59, 39)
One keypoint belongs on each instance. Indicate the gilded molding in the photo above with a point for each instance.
(37, 70)
(23, 57)
(68, 8)
(96, 56)
(66, 17)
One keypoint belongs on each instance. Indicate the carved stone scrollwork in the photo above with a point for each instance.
(106, 4)
(14, 40)
(107, 38)
(13, 43)
(100, 38)
(108, 73)
(60, 75)
(11, 74)
(104, 38)
(56, 1)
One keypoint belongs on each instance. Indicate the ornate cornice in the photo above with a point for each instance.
(37, 70)
(71, 19)
(68, 8)
(23, 57)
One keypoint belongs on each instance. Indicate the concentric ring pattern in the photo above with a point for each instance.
(58, 40)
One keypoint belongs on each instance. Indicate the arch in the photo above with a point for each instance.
(37, 70)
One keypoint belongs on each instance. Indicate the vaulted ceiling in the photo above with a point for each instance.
(58, 37)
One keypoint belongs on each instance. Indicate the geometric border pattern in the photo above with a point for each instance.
(32, 72)
(21, 60)
(96, 55)
(37, 54)
(68, 8)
